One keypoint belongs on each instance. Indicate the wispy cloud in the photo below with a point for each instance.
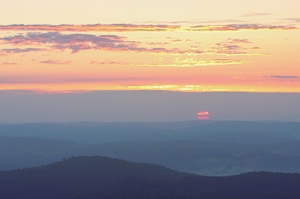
(73, 42)
(9, 63)
(78, 42)
(194, 62)
(90, 27)
(110, 63)
(283, 77)
(189, 88)
(238, 27)
(297, 20)
(158, 43)
(233, 47)
(145, 28)
(200, 21)
(255, 14)
(245, 41)
(20, 50)
(223, 21)
(177, 62)
(56, 62)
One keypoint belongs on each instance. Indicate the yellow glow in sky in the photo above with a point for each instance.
(228, 46)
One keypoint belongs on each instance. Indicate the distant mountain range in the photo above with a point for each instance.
(208, 131)
(102, 177)
(204, 147)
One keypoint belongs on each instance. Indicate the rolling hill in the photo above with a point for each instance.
(208, 148)
(102, 177)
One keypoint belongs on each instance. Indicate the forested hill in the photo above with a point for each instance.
(102, 177)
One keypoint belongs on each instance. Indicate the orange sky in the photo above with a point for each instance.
(246, 51)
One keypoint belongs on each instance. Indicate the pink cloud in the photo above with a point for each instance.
(78, 42)
(20, 50)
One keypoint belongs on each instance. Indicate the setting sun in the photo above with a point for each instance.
(203, 115)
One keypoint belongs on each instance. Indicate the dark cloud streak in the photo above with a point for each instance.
(55, 62)
(20, 50)
(74, 42)
(283, 77)
(89, 27)
(239, 27)
(235, 25)
(78, 42)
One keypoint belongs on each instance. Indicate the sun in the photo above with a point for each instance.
(203, 115)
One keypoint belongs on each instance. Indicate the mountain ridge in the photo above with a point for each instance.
(103, 177)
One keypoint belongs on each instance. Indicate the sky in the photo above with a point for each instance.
(63, 47)
(146, 106)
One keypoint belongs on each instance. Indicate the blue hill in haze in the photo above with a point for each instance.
(209, 147)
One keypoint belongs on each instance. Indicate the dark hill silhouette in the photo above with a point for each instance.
(102, 177)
